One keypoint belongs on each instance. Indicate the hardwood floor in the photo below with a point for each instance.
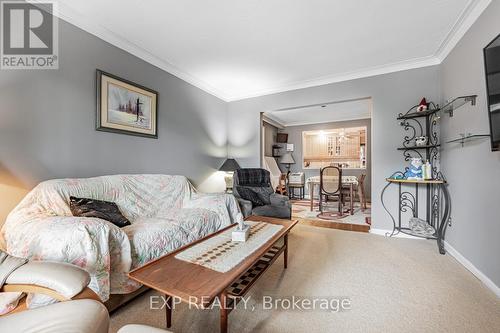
(334, 225)
(298, 214)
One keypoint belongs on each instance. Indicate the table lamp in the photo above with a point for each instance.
(287, 159)
(229, 167)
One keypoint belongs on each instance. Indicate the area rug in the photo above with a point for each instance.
(301, 209)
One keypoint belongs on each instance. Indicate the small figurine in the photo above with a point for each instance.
(242, 231)
(423, 106)
(415, 169)
(241, 222)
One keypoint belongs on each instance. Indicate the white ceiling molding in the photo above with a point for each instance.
(87, 24)
(367, 72)
(304, 123)
(268, 118)
(321, 104)
(346, 110)
(468, 16)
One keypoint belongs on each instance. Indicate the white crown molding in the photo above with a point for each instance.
(469, 15)
(85, 23)
(358, 74)
(273, 121)
(303, 123)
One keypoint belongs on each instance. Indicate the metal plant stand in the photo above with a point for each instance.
(437, 199)
(439, 210)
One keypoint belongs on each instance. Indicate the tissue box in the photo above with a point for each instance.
(240, 235)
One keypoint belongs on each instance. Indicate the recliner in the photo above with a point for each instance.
(260, 180)
(78, 309)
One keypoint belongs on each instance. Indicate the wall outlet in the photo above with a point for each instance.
(449, 222)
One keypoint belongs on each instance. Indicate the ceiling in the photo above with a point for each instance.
(236, 49)
(322, 113)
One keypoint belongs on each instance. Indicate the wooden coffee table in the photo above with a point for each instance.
(200, 286)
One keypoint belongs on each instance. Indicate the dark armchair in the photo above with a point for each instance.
(255, 184)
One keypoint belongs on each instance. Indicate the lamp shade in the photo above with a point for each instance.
(287, 158)
(229, 165)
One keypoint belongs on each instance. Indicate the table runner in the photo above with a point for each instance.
(221, 254)
(345, 179)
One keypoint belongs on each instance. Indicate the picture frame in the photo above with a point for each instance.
(125, 107)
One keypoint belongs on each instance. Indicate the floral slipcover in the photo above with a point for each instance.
(166, 212)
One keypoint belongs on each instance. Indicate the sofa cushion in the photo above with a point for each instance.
(66, 279)
(279, 200)
(136, 328)
(105, 210)
(282, 212)
(259, 196)
(82, 316)
(151, 238)
(264, 193)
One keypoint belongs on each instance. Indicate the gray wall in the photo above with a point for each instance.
(47, 127)
(295, 137)
(473, 171)
(391, 94)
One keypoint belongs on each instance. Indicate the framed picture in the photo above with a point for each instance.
(125, 107)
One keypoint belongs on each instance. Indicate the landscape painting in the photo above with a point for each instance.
(125, 107)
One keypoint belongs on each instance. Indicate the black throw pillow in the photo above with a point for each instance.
(256, 195)
(105, 210)
(264, 193)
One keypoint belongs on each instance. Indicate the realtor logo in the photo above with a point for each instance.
(29, 38)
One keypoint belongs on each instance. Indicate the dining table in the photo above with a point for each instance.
(348, 182)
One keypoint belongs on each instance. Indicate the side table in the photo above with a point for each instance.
(291, 191)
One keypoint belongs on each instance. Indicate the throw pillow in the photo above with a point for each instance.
(264, 193)
(257, 197)
(105, 210)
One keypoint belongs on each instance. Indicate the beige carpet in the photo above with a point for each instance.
(395, 285)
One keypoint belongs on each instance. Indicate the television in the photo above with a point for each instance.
(492, 71)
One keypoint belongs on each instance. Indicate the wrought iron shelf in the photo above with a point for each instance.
(458, 102)
(416, 181)
(437, 205)
(469, 137)
(419, 147)
(412, 115)
(410, 232)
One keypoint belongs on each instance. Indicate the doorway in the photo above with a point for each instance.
(301, 140)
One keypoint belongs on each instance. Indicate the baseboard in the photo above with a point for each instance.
(473, 269)
(384, 232)
(455, 254)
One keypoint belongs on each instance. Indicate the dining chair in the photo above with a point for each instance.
(330, 185)
(361, 191)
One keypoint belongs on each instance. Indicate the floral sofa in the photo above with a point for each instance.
(165, 213)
